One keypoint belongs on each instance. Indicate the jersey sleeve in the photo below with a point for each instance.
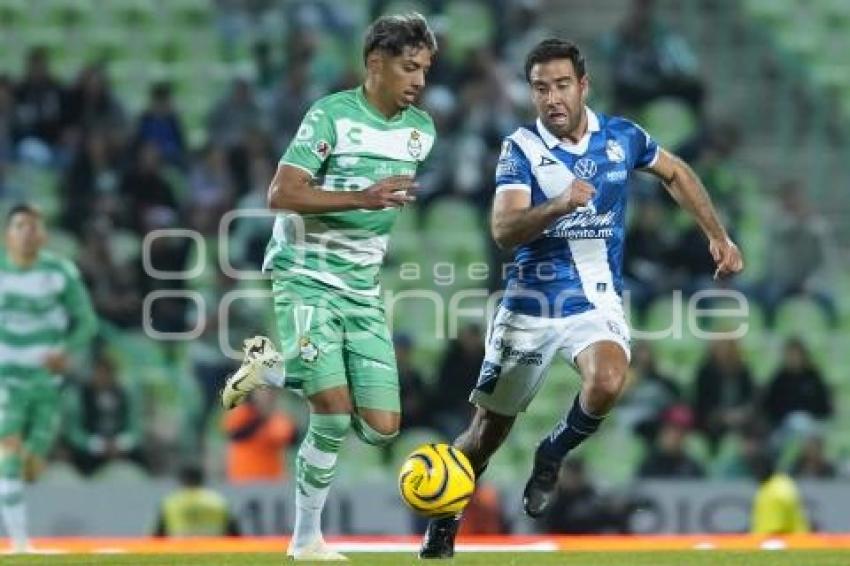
(313, 142)
(513, 170)
(644, 148)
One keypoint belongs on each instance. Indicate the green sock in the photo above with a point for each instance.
(12, 509)
(315, 467)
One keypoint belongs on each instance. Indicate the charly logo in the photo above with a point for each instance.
(309, 352)
(414, 144)
(585, 168)
(614, 151)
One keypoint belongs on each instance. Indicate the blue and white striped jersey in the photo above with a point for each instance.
(576, 264)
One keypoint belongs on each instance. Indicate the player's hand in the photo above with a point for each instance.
(56, 362)
(727, 256)
(578, 194)
(390, 192)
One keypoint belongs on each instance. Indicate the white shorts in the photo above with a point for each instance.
(520, 349)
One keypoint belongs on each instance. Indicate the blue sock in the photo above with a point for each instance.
(570, 431)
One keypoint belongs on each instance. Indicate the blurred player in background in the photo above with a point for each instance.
(560, 204)
(45, 315)
(345, 176)
(777, 506)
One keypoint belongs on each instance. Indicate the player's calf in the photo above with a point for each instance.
(485, 434)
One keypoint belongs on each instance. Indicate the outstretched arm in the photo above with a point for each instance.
(688, 191)
(294, 189)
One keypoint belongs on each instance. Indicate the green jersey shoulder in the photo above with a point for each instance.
(342, 127)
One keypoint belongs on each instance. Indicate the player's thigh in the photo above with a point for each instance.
(44, 418)
(597, 342)
(582, 331)
(311, 336)
(517, 355)
(14, 404)
(370, 361)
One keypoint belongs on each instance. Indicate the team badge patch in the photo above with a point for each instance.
(309, 351)
(614, 151)
(414, 144)
(322, 149)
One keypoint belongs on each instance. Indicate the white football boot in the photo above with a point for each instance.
(260, 356)
(318, 551)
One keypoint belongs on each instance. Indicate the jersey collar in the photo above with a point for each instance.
(374, 112)
(577, 148)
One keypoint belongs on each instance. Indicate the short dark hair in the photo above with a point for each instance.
(23, 208)
(551, 49)
(192, 475)
(392, 34)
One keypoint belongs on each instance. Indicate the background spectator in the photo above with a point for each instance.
(648, 395)
(105, 421)
(194, 510)
(458, 373)
(580, 509)
(668, 458)
(724, 395)
(258, 434)
(797, 386)
(798, 232)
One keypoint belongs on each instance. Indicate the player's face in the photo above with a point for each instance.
(25, 234)
(558, 95)
(402, 77)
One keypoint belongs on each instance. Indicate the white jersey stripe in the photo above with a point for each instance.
(597, 282)
(27, 356)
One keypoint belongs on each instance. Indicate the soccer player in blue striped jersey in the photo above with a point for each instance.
(560, 203)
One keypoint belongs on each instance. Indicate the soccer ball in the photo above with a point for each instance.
(436, 480)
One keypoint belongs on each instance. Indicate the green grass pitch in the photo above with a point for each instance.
(694, 558)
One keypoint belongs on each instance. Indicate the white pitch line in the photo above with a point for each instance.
(413, 547)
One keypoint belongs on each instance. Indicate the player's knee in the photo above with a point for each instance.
(607, 383)
(377, 432)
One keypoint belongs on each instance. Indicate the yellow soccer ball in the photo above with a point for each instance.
(436, 480)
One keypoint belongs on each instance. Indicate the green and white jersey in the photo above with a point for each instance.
(347, 145)
(43, 308)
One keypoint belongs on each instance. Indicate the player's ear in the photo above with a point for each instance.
(375, 61)
(584, 83)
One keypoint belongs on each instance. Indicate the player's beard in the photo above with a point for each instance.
(566, 129)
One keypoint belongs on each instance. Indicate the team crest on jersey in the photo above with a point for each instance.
(322, 149)
(414, 144)
(585, 168)
(614, 151)
(309, 351)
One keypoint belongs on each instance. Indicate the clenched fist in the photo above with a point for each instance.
(578, 194)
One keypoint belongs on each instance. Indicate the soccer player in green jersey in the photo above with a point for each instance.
(45, 314)
(344, 176)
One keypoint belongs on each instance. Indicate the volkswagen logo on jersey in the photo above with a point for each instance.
(614, 151)
(585, 168)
